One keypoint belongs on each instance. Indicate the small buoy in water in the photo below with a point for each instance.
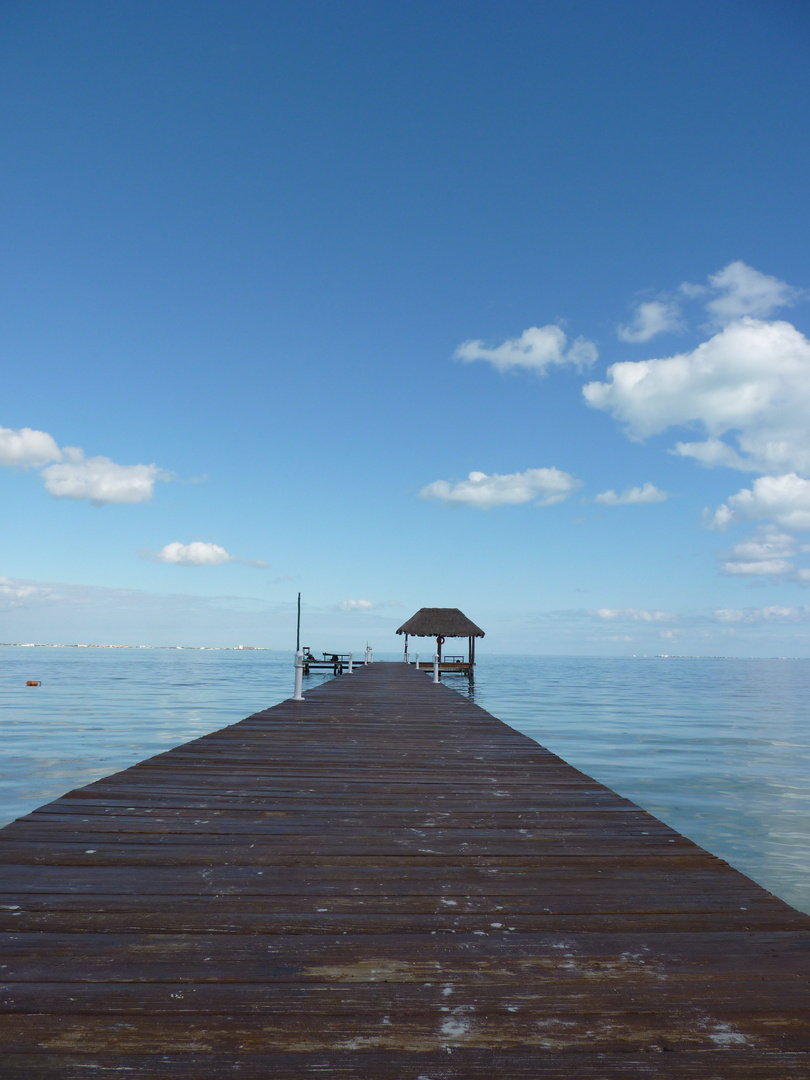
(33, 682)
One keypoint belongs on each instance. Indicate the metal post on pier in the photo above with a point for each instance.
(416, 660)
(351, 658)
(435, 667)
(299, 676)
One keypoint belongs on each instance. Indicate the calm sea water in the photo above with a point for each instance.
(719, 749)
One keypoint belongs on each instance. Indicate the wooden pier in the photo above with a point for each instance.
(384, 882)
(448, 667)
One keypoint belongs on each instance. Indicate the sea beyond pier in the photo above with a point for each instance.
(385, 881)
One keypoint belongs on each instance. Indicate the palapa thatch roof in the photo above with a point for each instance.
(440, 622)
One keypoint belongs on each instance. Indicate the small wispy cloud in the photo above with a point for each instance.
(713, 453)
(14, 593)
(768, 553)
(764, 614)
(483, 491)
(739, 290)
(198, 553)
(735, 292)
(759, 568)
(651, 318)
(537, 348)
(365, 605)
(649, 493)
(100, 480)
(635, 615)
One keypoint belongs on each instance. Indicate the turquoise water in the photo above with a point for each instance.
(719, 749)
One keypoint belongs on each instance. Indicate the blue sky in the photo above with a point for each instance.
(495, 306)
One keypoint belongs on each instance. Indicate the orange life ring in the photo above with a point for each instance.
(440, 640)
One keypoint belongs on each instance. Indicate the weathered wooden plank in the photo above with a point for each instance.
(615, 993)
(457, 1064)
(192, 915)
(409, 957)
(557, 854)
(681, 1028)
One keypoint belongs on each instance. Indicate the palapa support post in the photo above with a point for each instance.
(299, 676)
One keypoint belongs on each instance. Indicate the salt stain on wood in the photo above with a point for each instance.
(384, 881)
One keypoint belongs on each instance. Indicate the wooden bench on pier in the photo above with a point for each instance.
(383, 881)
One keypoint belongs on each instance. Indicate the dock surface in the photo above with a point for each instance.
(384, 882)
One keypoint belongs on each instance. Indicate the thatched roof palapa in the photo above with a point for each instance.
(440, 622)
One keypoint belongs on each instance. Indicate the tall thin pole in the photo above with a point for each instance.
(298, 626)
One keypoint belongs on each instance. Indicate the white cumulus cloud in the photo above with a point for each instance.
(545, 486)
(197, 553)
(99, 479)
(537, 348)
(649, 493)
(68, 474)
(25, 447)
(652, 317)
(781, 499)
(750, 381)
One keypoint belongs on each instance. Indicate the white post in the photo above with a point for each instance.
(416, 660)
(368, 655)
(435, 667)
(299, 676)
(351, 657)
(407, 658)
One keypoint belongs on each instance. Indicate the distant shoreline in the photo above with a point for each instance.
(189, 648)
